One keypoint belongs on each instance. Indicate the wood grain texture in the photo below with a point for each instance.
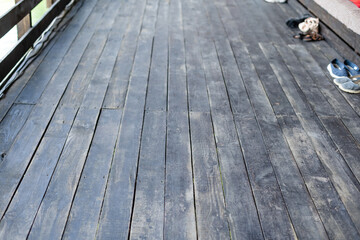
(122, 179)
(179, 191)
(86, 207)
(58, 199)
(11, 125)
(210, 206)
(19, 217)
(179, 119)
(148, 215)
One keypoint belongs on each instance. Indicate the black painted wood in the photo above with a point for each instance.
(25, 43)
(15, 15)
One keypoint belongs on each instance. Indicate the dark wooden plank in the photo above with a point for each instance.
(15, 14)
(179, 192)
(197, 94)
(121, 184)
(313, 94)
(289, 177)
(323, 54)
(53, 211)
(331, 93)
(301, 148)
(85, 211)
(275, 221)
(118, 85)
(197, 91)
(348, 148)
(334, 165)
(157, 90)
(37, 84)
(93, 100)
(177, 87)
(148, 216)
(25, 43)
(332, 211)
(78, 84)
(323, 145)
(296, 100)
(23, 208)
(180, 221)
(11, 125)
(16, 161)
(240, 104)
(19, 216)
(120, 187)
(210, 206)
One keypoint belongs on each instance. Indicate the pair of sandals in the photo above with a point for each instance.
(308, 26)
(346, 75)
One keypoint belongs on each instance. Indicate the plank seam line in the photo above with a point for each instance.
(166, 110)
(212, 124)
(233, 121)
(189, 124)
(143, 120)
(52, 174)
(262, 137)
(93, 133)
(81, 173)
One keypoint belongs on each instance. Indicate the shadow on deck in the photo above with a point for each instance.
(179, 119)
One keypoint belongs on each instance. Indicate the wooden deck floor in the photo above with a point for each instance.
(181, 119)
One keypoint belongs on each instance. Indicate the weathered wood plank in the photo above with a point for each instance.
(12, 93)
(210, 206)
(122, 179)
(157, 90)
(180, 221)
(148, 216)
(53, 211)
(93, 100)
(179, 192)
(276, 65)
(177, 89)
(275, 221)
(85, 210)
(289, 177)
(29, 137)
(347, 146)
(11, 125)
(38, 83)
(118, 85)
(337, 223)
(78, 84)
(197, 91)
(18, 219)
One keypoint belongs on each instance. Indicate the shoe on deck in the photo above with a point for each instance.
(350, 87)
(352, 68)
(337, 69)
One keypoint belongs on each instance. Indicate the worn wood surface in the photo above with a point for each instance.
(181, 119)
